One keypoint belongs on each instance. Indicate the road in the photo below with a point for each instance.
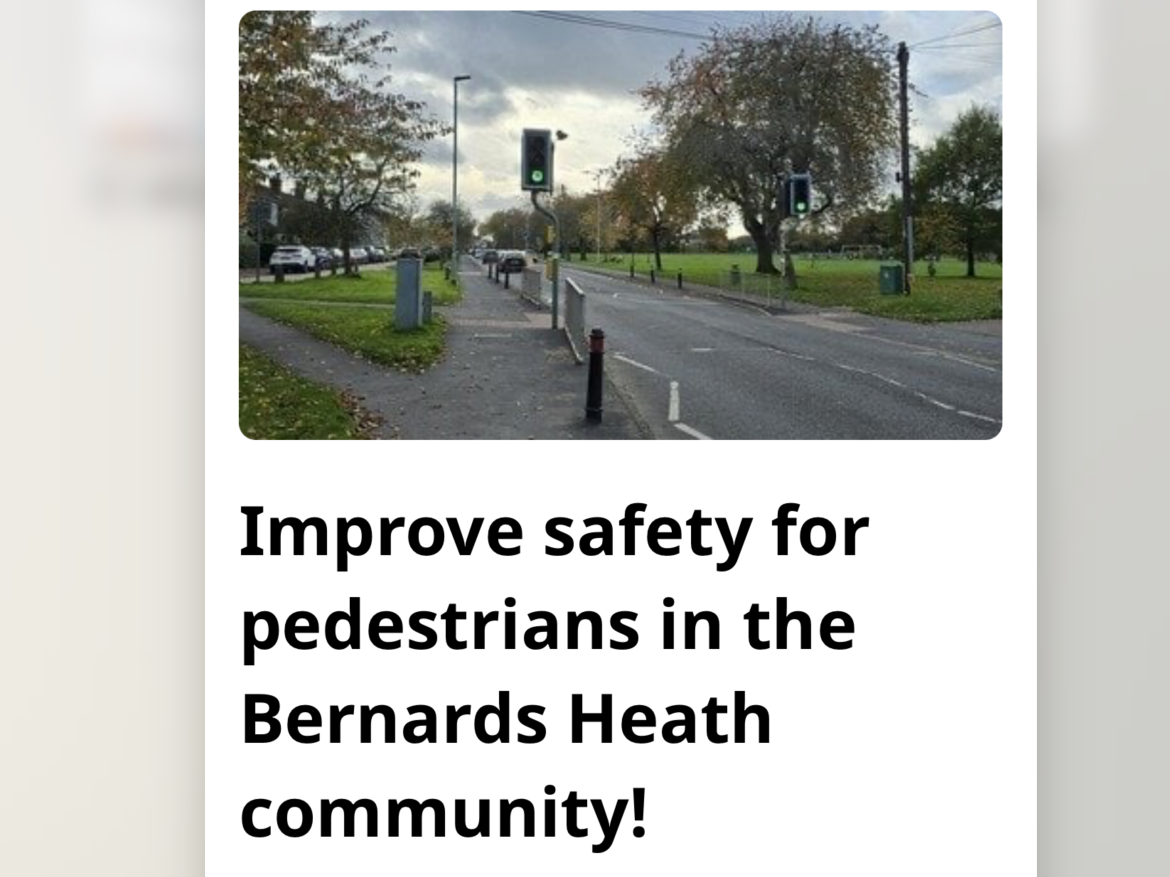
(698, 368)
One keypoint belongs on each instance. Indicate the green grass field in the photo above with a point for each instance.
(277, 404)
(337, 310)
(949, 296)
(366, 331)
(372, 287)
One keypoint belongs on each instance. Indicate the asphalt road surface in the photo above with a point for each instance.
(696, 368)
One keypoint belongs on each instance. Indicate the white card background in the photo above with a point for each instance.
(913, 753)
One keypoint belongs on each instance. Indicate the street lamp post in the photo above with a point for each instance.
(597, 175)
(455, 180)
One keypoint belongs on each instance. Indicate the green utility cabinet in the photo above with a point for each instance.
(890, 280)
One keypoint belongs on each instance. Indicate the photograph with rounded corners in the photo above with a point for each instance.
(620, 225)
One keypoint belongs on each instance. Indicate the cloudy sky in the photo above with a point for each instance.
(533, 72)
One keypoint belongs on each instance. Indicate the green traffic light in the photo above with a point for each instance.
(801, 207)
(538, 176)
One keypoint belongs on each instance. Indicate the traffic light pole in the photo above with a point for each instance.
(556, 279)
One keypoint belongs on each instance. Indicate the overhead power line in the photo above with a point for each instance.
(609, 24)
(961, 46)
(963, 32)
(685, 19)
(707, 20)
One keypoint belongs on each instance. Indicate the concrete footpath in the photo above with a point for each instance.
(506, 374)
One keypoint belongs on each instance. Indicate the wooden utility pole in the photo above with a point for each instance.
(907, 205)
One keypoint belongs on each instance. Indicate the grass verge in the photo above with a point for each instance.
(275, 403)
(933, 300)
(372, 287)
(948, 297)
(368, 332)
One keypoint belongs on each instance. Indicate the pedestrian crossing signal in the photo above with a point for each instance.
(799, 195)
(536, 160)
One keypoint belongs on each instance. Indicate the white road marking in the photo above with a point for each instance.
(938, 403)
(673, 411)
(692, 432)
(799, 356)
(635, 363)
(942, 354)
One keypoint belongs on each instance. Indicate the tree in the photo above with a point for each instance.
(576, 231)
(936, 231)
(653, 194)
(962, 172)
(712, 236)
(783, 95)
(316, 103)
(598, 218)
(439, 219)
(290, 70)
(276, 51)
(509, 229)
(401, 226)
(867, 227)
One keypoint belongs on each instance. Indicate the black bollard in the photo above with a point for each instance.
(507, 280)
(596, 363)
(631, 272)
(680, 280)
(653, 277)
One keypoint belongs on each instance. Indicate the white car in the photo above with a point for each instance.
(298, 259)
(358, 255)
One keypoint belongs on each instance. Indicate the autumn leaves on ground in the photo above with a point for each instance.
(357, 314)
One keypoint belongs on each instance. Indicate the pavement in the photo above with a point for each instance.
(699, 366)
(506, 375)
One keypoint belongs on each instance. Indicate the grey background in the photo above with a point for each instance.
(101, 664)
(1104, 675)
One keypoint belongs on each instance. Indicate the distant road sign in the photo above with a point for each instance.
(264, 212)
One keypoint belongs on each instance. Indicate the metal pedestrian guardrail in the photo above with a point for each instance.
(575, 319)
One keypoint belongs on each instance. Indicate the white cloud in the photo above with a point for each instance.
(530, 72)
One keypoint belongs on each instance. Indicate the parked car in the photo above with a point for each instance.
(432, 254)
(377, 254)
(359, 255)
(338, 255)
(512, 262)
(292, 259)
(324, 257)
(491, 257)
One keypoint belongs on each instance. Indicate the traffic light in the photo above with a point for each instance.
(536, 161)
(799, 188)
